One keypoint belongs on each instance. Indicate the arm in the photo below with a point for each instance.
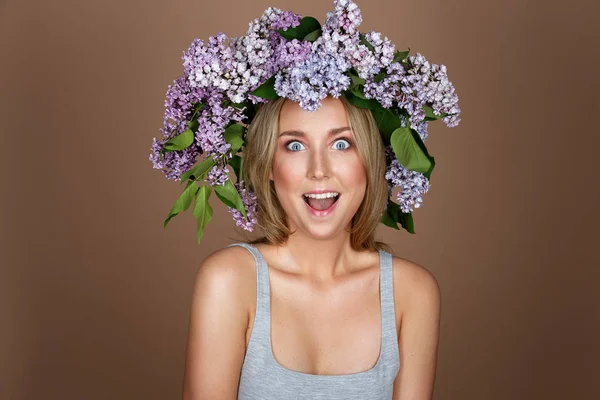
(419, 334)
(217, 333)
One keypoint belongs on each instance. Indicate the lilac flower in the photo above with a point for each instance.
(250, 204)
(310, 81)
(211, 125)
(178, 106)
(422, 83)
(387, 90)
(421, 127)
(281, 19)
(286, 52)
(173, 163)
(260, 53)
(422, 130)
(206, 65)
(346, 15)
(383, 48)
(218, 175)
(436, 89)
(413, 184)
(179, 102)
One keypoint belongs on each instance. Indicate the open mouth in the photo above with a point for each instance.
(321, 202)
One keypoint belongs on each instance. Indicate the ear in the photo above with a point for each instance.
(271, 175)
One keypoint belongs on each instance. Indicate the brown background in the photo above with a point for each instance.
(95, 293)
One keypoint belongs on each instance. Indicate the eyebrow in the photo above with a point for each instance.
(298, 133)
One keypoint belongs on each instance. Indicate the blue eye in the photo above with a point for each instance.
(341, 147)
(295, 145)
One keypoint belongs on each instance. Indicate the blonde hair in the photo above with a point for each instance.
(261, 144)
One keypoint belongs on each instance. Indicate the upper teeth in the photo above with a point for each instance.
(322, 195)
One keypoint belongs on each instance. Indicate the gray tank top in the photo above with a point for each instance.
(263, 378)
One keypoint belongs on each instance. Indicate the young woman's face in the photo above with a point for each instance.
(316, 152)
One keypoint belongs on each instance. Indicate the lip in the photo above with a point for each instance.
(321, 213)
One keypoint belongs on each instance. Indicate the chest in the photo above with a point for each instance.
(325, 331)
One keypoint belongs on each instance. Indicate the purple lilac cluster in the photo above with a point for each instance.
(179, 102)
(346, 15)
(237, 66)
(338, 49)
(309, 82)
(250, 204)
(413, 184)
(421, 83)
(211, 125)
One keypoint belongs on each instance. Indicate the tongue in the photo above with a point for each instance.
(321, 204)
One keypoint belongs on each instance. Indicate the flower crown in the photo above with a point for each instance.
(208, 109)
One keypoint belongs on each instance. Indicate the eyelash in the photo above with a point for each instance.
(342, 138)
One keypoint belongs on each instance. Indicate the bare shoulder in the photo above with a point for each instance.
(229, 274)
(414, 286)
(227, 268)
(219, 317)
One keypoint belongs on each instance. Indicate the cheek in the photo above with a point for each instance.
(287, 172)
(351, 172)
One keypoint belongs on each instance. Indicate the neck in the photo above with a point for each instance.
(320, 260)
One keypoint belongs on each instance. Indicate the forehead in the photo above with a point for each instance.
(331, 114)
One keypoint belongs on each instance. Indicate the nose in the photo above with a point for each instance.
(319, 165)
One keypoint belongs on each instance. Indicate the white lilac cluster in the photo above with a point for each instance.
(238, 65)
(412, 184)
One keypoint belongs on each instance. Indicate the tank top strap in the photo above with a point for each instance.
(263, 295)
(388, 312)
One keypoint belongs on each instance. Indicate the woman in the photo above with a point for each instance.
(317, 309)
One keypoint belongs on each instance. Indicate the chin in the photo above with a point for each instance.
(323, 231)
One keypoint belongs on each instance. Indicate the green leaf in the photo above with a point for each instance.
(230, 196)
(379, 77)
(180, 142)
(362, 103)
(408, 152)
(364, 41)
(406, 220)
(234, 136)
(358, 93)
(193, 125)
(314, 35)
(424, 149)
(236, 164)
(399, 56)
(356, 81)
(393, 215)
(267, 90)
(202, 210)
(429, 114)
(388, 219)
(387, 122)
(197, 107)
(199, 171)
(306, 29)
(183, 202)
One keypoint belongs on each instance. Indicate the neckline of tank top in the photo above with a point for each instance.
(371, 371)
